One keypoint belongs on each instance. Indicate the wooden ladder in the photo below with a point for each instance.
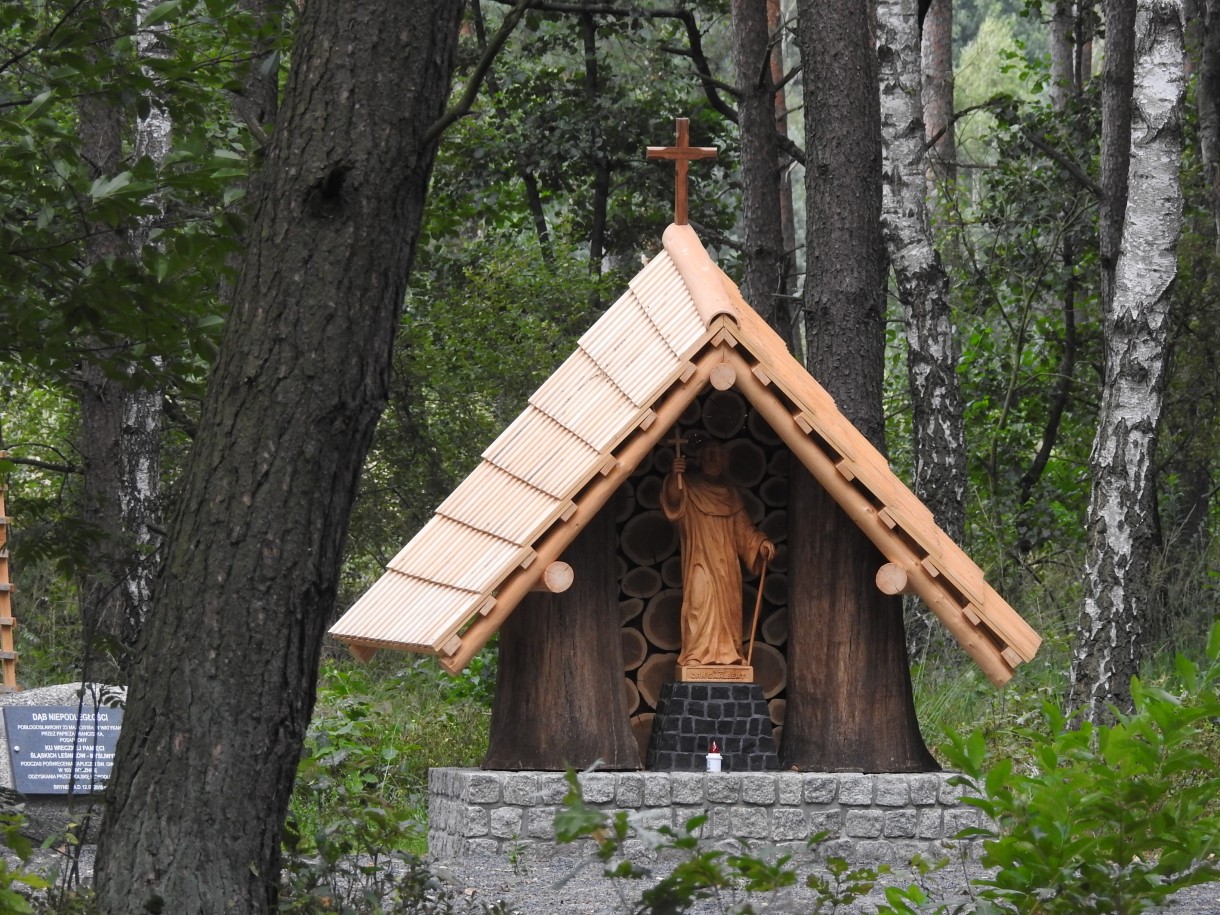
(8, 656)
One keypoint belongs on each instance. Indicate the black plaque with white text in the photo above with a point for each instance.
(61, 749)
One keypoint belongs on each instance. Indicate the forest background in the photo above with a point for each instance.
(128, 155)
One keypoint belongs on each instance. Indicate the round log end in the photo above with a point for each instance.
(723, 377)
(892, 579)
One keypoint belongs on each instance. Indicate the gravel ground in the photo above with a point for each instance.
(561, 887)
(568, 886)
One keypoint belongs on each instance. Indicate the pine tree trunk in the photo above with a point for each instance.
(222, 692)
(763, 280)
(1120, 519)
(849, 694)
(559, 683)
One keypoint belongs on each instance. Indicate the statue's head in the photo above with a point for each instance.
(712, 459)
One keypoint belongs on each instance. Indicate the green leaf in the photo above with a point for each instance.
(105, 187)
(160, 13)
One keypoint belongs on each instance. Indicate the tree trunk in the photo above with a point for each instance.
(763, 282)
(559, 698)
(937, 95)
(102, 399)
(1135, 326)
(849, 693)
(224, 686)
(598, 158)
(1116, 90)
(923, 287)
(1063, 56)
(1207, 95)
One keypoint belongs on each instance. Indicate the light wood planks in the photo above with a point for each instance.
(8, 653)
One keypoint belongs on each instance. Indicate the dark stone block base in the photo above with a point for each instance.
(691, 715)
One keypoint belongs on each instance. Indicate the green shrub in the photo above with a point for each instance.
(376, 731)
(1112, 819)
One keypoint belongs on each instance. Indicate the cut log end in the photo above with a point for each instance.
(893, 579)
(556, 578)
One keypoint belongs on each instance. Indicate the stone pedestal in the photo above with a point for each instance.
(691, 715)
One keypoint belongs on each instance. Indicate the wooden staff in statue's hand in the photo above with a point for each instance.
(767, 552)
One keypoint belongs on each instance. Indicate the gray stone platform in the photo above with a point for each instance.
(870, 819)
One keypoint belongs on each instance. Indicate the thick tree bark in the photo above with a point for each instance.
(763, 282)
(1135, 324)
(849, 699)
(559, 684)
(937, 51)
(850, 704)
(222, 693)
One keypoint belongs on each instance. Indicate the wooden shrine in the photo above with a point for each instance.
(680, 357)
(8, 654)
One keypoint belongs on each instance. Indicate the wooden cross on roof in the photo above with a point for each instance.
(683, 154)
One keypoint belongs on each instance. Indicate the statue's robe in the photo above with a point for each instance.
(715, 533)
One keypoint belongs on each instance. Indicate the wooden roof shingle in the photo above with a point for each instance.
(591, 423)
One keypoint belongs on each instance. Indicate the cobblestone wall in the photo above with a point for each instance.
(869, 818)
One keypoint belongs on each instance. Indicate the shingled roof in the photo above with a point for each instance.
(681, 326)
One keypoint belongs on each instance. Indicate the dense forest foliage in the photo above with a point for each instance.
(546, 169)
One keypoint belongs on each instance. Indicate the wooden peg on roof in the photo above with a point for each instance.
(682, 154)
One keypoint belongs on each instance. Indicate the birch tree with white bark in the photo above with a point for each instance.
(923, 287)
(1120, 521)
(139, 453)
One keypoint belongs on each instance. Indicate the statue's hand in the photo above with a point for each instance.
(767, 550)
(679, 465)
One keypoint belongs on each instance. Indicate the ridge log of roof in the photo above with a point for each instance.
(680, 327)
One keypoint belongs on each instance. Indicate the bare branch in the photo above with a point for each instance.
(44, 465)
(466, 102)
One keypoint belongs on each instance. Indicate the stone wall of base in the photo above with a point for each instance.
(875, 819)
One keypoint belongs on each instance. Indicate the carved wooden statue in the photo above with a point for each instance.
(716, 536)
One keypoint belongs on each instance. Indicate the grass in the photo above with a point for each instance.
(377, 729)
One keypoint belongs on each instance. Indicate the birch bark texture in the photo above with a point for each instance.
(1120, 522)
(923, 287)
(140, 443)
(223, 688)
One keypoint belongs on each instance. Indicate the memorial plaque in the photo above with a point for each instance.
(61, 749)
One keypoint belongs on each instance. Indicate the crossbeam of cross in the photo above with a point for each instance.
(682, 154)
